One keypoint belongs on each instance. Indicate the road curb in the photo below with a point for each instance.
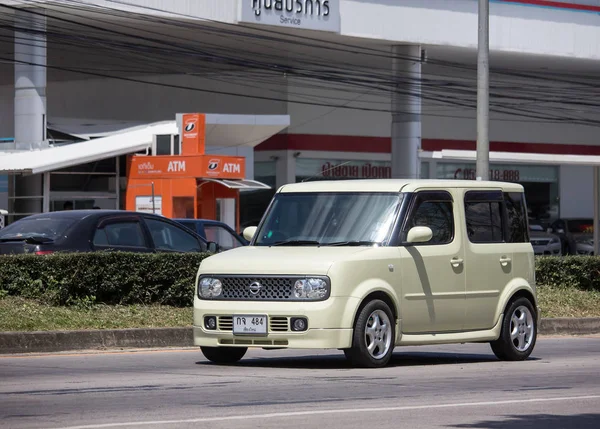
(60, 341)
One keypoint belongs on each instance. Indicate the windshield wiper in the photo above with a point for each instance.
(297, 243)
(351, 243)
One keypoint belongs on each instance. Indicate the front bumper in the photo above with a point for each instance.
(329, 323)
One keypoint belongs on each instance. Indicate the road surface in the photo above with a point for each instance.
(457, 386)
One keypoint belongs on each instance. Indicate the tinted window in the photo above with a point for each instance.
(120, 234)
(433, 210)
(47, 227)
(516, 218)
(223, 237)
(171, 237)
(484, 221)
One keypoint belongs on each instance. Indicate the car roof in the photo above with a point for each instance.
(395, 185)
(83, 214)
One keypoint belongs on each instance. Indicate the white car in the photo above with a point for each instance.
(367, 265)
(543, 242)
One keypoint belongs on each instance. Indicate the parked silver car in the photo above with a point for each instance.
(543, 242)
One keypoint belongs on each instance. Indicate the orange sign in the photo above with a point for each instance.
(192, 134)
(190, 166)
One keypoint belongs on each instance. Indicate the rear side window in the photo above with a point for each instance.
(516, 217)
(127, 234)
(483, 213)
(47, 227)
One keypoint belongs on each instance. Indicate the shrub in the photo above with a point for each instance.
(102, 277)
(581, 272)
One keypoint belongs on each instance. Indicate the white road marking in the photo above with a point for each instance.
(331, 411)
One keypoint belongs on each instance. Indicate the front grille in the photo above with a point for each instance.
(276, 323)
(279, 324)
(225, 323)
(271, 288)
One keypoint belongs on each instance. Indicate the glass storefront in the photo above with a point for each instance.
(253, 203)
(540, 183)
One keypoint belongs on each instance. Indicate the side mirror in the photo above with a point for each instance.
(560, 231)
(549, 230)
(212, 247)
(419, 234)
(249, 232)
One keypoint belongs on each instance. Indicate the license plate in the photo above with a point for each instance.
(249, 324)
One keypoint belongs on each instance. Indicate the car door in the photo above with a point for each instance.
(168, 237)
(120, 233)
(489, 259)
(433, 275)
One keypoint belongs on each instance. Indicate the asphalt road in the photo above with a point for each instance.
(461, 386)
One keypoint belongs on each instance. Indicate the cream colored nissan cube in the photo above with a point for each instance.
(367, 265)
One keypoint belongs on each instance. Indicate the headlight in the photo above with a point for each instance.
(311, 288)
(209, 287)
(554, 240)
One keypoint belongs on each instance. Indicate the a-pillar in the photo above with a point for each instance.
(30, 102)
(406, 111)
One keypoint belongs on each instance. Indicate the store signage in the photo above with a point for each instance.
(193, 126)
(503, 173)
(495, 174)
(192, 166)
(356, 171)
(321, 15)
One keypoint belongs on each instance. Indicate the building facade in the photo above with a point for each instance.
(373, 88)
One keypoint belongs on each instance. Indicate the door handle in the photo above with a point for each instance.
(504, 261)
(456, 262)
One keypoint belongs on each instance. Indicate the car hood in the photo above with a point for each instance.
(541, 234)
(278, 260)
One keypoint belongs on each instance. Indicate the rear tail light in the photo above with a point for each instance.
(44, 252)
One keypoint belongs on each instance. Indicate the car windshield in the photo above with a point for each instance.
(536, 228)
(329, 218)
(580, 226)
(50, 228)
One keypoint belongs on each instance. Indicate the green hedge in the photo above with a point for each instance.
(102, 277)
(581, 272)
(134, 278)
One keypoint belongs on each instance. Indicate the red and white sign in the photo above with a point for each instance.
(198, 166)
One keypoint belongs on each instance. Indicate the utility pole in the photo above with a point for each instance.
(483, 92)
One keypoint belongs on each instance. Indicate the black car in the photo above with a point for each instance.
(93, 230)
(216, 231)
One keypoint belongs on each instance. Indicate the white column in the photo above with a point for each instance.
(406, 111)
(30, 101)
(30, 81)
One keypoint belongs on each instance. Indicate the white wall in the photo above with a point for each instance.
(576, 191)
(513, 27)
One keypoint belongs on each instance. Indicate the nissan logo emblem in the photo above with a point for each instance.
(255, 288)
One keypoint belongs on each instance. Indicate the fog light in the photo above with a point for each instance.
(299, 324)
(210, 322)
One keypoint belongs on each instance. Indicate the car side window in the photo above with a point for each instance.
(434, 210)
(126, 234)
(483, 213)
(516, 217)
(172, 238)
(221, 236)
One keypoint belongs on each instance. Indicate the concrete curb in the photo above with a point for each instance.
(60, 341)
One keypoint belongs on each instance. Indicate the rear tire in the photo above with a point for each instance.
(519, 331)
(224, 355)
(374, 336)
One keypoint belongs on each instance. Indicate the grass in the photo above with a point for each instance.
(19, 314)
(568, 302)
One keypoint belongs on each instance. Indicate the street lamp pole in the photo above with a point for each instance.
(483, 92)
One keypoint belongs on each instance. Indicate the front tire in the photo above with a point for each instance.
(224, 355)
(374, 336)
(519, 331)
